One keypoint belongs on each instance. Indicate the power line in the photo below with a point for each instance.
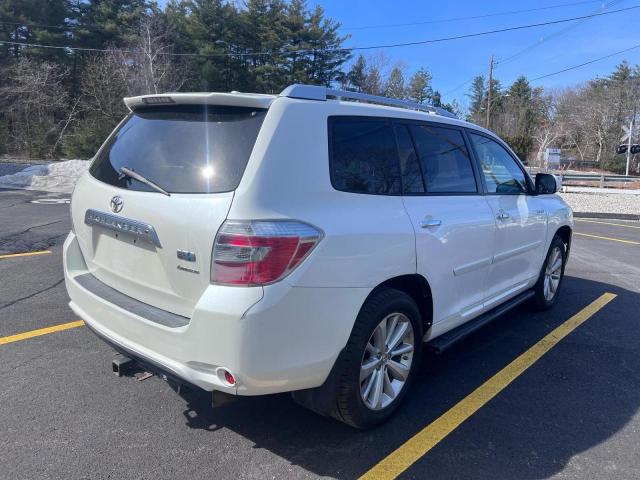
(474, 17)
(455, 89)
(489, 32)
(59, 27)
(72, 26)
(553, 35)
(531, 47)
(585, 63)
(343, 49)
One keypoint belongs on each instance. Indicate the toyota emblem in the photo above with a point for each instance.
(116, 204)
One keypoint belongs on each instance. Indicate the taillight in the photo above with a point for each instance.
(258, 252)
(73, 227)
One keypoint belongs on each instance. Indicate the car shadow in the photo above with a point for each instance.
(574, 398)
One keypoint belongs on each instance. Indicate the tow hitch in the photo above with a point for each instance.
(121, 365)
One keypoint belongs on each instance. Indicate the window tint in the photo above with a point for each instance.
(182, 148)
(500, 171)
(445, 161)
(364, 157)
(409, 168)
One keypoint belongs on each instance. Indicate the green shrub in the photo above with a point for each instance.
(521, 145)
(86, 138)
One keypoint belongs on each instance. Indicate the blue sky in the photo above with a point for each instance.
(452, 63)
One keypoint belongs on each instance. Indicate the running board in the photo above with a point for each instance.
(452, 337)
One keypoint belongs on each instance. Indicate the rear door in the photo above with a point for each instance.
(150, 246)
(453, 223)
(521, 222)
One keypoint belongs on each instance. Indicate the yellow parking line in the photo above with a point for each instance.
(25, 254)
(607, 238)
(41, 331)
(607, 223)
(417, 446)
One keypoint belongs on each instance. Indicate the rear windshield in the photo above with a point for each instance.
(181, 148)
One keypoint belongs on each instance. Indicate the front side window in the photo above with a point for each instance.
(444, 158)
(363, 156)
(182, 148)
(501, 173)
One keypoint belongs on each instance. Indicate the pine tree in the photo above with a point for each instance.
(323, 58)
(34, 22)
(477, 97)
(436, 99)
(373, 82)
(420, 90)
(357, 76)
(394, 87)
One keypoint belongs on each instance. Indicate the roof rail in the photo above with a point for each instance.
(315, 92)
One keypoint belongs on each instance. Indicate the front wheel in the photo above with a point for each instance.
(381, 359)
(548, 286)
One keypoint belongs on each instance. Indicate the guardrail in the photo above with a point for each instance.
(602, 180)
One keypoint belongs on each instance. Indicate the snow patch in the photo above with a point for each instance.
(59, 177)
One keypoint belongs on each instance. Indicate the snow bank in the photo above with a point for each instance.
(57, 177)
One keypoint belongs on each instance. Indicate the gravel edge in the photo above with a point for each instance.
(610, 216)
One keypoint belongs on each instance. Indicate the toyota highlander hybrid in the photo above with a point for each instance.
(312, 242)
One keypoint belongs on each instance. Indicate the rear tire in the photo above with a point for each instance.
(380, 359)
(547, 288)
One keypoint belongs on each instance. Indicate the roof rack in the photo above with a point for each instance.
(315, 92)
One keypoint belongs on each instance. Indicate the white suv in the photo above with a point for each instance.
(309, 242)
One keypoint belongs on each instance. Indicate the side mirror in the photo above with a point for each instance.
(547, 183)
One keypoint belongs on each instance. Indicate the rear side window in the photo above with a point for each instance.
(412, 181)
(363, 156)
(182, 148)
(445, 160)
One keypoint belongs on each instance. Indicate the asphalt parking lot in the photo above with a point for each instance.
(572, 414)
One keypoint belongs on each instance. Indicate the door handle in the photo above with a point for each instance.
(502, 215)
(429, 222)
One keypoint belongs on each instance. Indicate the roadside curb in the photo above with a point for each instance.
(611, 216)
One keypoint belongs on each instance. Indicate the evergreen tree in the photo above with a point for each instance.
(420, 90)
(477, 97)
(394, 87)
(373, 82)
(436, 99)
(357, 76)
(33, 21)
(102, 23)
(324, 56)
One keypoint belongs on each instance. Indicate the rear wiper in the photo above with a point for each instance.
(127, 172)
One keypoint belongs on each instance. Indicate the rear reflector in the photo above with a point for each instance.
(253, 253)
(229, 378)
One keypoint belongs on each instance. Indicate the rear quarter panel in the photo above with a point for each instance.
(367, 238)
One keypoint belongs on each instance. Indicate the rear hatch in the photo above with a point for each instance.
(148, 245)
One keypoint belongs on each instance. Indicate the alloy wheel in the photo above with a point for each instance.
(552, 274)
(386, 362)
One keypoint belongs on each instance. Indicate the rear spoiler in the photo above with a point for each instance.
(233, 99)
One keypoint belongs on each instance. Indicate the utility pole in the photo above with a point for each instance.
(630, 141)
(488, 122)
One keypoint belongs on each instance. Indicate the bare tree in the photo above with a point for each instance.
(145, 63)
(547, 131)
(34, 103)
(142, 67)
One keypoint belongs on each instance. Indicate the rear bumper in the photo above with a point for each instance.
(273, 339)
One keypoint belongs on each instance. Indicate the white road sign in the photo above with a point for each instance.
(626, 130)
